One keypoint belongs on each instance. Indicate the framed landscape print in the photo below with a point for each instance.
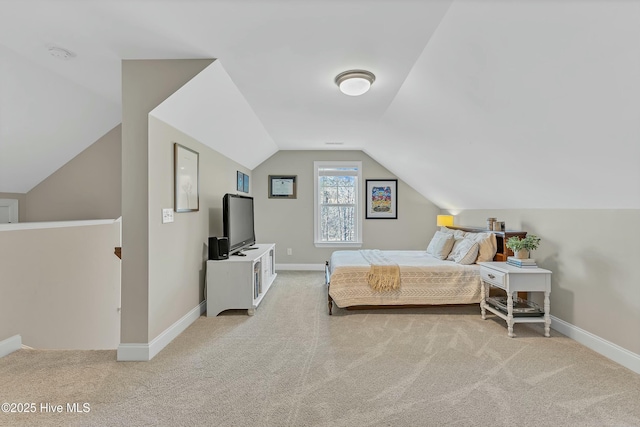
(382, 198)
(185, 171)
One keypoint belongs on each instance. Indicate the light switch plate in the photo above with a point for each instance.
(167, 215)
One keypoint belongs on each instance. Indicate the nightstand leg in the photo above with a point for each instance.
(547, 315)
(510, 315)
(483, 294)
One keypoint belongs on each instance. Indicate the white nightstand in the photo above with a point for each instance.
(512, 280)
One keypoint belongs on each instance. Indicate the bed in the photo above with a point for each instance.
(446, 273)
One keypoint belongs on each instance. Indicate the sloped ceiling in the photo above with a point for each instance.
(523, 104)
(476, 104)
(45, 120)
(210, 109)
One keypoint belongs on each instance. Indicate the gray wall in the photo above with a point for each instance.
(289, 223)
(178, 251)
(87, 187)
(593, 255)
(145, 84)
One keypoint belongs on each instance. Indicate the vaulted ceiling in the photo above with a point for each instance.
(476, 104)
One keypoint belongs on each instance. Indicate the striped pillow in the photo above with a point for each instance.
(467, 252)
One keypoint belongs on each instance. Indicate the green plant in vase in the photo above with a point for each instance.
(522, 247)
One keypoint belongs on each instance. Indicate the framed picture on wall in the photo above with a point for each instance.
(382, 198)
(186, 185)
(240, 180)
(245, 182)
(282, 186)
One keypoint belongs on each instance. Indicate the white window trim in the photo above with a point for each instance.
(316, 225)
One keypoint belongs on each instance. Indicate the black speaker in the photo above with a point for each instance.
(218, 248)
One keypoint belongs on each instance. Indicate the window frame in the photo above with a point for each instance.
(317, 165)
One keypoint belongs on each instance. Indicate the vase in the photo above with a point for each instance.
(521, 254)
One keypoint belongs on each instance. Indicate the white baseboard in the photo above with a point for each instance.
(300, 267)
(10, 345)
(143, 352)
(608, 349)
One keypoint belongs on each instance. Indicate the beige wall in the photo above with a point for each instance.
(145, 84)
(289, 223)
(22, 204)
(60, 287)
(87, 187)
(178, 251)
(593, 256)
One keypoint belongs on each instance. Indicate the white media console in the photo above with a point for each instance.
(240, 282)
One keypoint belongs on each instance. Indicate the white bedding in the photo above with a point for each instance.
(424, 279)
(402, 258)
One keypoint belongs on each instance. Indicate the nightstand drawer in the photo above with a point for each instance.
(494, 277)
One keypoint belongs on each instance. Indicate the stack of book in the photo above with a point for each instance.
(522, 263)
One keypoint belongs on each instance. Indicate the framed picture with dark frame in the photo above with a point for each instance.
(382, 198)
(245, 182)
(282, 186)
(186, 190)
(240, 180)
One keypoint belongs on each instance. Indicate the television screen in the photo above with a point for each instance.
(237, 219)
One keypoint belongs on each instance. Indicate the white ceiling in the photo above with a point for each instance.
(476, 104)
(224, 122)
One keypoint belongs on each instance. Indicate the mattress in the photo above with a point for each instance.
(423, 280)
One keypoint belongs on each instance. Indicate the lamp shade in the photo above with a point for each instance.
(444, 220)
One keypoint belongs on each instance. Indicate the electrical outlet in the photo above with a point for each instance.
(289, 251)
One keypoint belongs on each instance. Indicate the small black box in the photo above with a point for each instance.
(218, 248)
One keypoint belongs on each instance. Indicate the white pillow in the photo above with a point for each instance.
(457, 234)
(455, 250)
(440, 245)
(467, 253)
(487, 245)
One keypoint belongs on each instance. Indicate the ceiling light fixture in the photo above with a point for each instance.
(60, 53)
(355, 82)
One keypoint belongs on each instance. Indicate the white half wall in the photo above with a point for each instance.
(60, 284)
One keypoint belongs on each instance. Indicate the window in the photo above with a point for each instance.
(337, 203)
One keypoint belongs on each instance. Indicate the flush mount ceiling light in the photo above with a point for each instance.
(60, 53)
(355, 82)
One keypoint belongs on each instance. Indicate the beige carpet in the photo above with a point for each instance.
(293, 365)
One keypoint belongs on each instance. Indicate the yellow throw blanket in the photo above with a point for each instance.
(384, 275)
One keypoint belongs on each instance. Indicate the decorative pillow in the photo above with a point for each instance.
(455, 250)
(487, 245)
(467, 253)
(457, 234)
(440, 245)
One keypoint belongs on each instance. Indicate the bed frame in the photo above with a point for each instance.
(327, 279)
(501, 255)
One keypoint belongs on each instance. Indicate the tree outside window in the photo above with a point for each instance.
(337, 203)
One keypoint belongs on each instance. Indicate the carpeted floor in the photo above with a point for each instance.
(294, 365)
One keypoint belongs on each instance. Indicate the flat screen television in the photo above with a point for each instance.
(237, 222)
